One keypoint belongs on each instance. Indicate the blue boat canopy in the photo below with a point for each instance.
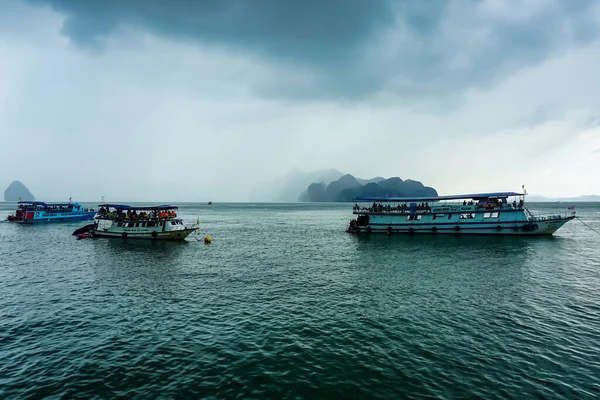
(476, 196)
(127, 207)
(117, 206)
(33, 203)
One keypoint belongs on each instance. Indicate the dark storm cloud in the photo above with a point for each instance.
(314, 31)
(348, 49)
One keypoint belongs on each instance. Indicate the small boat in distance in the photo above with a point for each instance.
(30, 212)
(127, 222)
(210, 203)
(484, 213)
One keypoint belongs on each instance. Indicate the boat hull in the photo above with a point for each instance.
(166, 235)
(44, 219)
(544, 227)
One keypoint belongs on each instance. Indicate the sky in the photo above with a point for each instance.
(194, 101)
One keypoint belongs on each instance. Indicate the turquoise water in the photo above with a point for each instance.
(284, 304)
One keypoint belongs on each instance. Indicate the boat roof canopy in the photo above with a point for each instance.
(33, 203)
(476, 196)
(41, 203)
(127, 207)
(117, 206)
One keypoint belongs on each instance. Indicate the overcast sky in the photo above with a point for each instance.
(184, 101)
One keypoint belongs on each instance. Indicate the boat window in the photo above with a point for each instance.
(466, 216)
(495, 215)
(173, 223)
(137, 225)
(150, 224)
(487, 215)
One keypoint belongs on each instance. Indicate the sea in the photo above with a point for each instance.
(284, 304)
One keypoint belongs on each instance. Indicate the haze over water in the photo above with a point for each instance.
(283, 303)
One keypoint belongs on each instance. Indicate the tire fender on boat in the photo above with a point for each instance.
(154, 234)
(499, 228)
(457, 228)
(389, 230)
(434, 229)
(411, 230)
(124, 235)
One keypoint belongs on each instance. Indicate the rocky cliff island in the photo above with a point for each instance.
(16, 191)
(348, 187)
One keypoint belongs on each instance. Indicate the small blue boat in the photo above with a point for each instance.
(30, 212)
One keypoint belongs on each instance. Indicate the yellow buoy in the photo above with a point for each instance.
(207, 239)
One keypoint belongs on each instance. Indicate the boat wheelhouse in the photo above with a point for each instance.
(30, 212)
(147, 222)
(502, 213)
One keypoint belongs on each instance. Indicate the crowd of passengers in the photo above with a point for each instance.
(388, 208)
(46, 208)
(424, 207)
(133, 214)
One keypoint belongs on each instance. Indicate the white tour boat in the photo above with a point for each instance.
(149, 222)
(501, 213)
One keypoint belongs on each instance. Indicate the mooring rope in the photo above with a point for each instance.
(579, 219)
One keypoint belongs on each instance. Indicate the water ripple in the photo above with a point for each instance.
(284, 304)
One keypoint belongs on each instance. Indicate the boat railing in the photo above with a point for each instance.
(434, 210)
(141, 219)
(547, 217)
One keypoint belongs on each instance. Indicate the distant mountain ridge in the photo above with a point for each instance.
(583, 198)
(290, 186)
(16, 191)
(348, 187)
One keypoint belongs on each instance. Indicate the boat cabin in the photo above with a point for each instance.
(466, 204)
